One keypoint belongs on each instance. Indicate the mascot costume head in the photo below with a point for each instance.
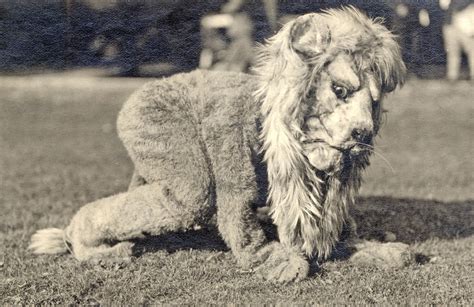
(322, 79)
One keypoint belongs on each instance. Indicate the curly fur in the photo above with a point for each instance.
(206, 141)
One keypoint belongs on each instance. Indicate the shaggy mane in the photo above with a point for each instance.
(309, 211)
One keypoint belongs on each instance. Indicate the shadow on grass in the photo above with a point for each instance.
(410, 220)
(203, 239)
(413, 220)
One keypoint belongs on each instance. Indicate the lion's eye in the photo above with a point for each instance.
(340, 91)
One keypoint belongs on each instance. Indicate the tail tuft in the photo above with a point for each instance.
(48, 241)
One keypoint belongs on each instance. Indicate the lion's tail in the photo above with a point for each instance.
(48, 241)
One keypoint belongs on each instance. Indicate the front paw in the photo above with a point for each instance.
(386, 255)
(283, 266)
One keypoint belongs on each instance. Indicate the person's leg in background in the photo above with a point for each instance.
(467, 44)
(453, 51)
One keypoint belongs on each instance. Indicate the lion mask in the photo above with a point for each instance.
(322, 80)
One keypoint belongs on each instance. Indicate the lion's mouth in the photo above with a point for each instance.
(332, 159)
(349, 148)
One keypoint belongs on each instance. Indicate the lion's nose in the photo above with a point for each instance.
(362, 135)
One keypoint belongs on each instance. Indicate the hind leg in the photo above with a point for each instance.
(102, 228)
(171, 186)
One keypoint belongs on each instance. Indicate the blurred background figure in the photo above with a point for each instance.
(405, 23)
(458, 35)
(227, 38)
(270, 6)
(227, 42)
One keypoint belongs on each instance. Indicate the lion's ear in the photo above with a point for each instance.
(309, 36)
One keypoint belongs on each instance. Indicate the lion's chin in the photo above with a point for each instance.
(325, 158)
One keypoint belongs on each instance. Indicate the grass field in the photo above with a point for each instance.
(59, 150)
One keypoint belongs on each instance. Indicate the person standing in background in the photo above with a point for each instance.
(458, 35)
(227, 37)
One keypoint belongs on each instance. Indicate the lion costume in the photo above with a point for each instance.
(295, 135)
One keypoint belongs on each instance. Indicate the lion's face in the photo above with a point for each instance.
(342, 115)
(322, 78)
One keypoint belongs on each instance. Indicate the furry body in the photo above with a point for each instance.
(223, 143)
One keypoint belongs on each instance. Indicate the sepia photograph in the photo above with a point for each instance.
(250, 152)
